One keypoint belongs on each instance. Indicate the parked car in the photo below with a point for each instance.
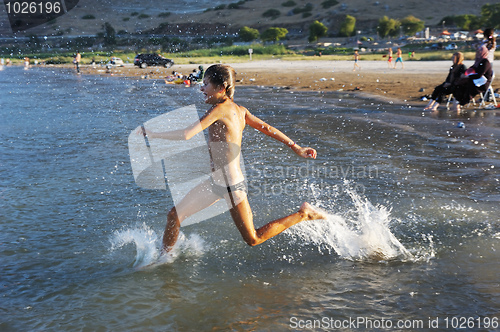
(438, 46)
(116, 62)
(144, 60)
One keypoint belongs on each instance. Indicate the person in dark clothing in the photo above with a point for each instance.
(477, 79)
(448, 87)
(197, 76)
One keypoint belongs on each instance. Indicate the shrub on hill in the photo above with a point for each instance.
(271, 13)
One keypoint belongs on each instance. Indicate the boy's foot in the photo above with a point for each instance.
(378, 255)
(311, 212)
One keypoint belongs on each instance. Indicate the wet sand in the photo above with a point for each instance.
(376, 79)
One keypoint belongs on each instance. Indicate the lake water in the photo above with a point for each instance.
(412, 239)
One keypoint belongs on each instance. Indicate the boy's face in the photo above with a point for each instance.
(211, 92)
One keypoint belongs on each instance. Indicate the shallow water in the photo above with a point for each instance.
(412, 233)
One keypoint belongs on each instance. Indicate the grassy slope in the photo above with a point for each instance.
(366, 12)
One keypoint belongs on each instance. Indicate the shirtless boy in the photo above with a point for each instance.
(225, 121)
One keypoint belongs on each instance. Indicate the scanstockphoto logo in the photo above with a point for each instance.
(28, 14)
(329, 179)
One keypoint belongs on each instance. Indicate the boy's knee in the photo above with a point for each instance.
(252, 241)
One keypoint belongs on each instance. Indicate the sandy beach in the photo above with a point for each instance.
(375, 78)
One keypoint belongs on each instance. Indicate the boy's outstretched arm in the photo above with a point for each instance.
(184, 134)
(270, 131)
(174, 135)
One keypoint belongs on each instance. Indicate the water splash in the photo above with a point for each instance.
(360, 234)
(148, 243)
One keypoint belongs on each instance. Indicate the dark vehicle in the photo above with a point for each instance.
(144, 60)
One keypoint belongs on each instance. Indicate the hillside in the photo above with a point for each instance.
(137, 16)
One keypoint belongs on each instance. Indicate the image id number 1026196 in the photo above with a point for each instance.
(41, 7)
(471, 322)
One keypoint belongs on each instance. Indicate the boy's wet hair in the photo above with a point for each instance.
(222, 75)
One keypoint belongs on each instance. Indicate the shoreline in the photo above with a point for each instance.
(375, 80)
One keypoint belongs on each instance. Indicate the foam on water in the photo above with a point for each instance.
(148, 243)
(361, 233)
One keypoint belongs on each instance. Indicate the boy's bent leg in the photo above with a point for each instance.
(242, 216)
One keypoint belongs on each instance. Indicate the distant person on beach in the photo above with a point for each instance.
(197, 75)
(225, 121)
(389, 58)
(448, 87)
(399, 58)
(76, 61)
(476, 79)
(491, 44)
(356, 59)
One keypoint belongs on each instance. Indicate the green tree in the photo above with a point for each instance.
(387, 27)
(465, 21)
(468, 21)
(274, 34)
(306, 9)
(109, 34)
(329, 3)
(411, 25)
(348, 27)
(490, 15)
(448, 20)
(248, 34)
(289, 3)
(317, 30)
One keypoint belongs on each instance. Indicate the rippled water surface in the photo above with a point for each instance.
(412, 234)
